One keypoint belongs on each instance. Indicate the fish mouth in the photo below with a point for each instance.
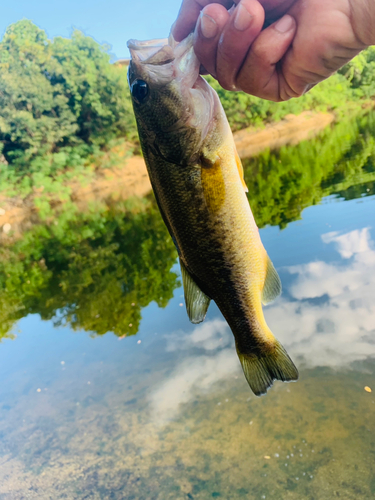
(146, 48)
(165, 61)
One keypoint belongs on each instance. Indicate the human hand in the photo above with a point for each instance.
(306, 41)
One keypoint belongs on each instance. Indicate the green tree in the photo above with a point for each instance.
(58, 93)
(34, 114)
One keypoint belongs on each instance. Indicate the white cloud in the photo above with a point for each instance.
(341, 329)
(348, 244)
(198, 373)
(195, 375)
(209, 335)
(333, 331)
(318, 278)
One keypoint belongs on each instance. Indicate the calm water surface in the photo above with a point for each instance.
(109, 392)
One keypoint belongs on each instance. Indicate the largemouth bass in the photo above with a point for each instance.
(197, 178)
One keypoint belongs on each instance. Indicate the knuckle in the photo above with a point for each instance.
(259, 51)
(286, 95)
(247, 85)
(227, 85)
(286, 92)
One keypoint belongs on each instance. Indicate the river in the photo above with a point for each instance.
(108, 392)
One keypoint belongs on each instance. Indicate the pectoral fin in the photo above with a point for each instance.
(272, 284)
(240, 170)
(196, 301)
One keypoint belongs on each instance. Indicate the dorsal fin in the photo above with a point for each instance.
(272, 283)
(197, 302)
(240, 170)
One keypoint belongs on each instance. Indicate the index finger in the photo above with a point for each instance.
(189, 13)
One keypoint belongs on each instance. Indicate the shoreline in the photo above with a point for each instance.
(291, 130)
(121, 183)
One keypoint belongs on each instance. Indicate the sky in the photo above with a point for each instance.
(107, 21)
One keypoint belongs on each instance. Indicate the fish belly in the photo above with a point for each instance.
(208, 215)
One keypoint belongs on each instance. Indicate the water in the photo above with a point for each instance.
(109, 392)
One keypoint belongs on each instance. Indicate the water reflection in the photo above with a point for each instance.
(329, 317)
(94, 271)
(168, 414)
(211, 360)
(340, 161)
(325, 318)
(97, 270)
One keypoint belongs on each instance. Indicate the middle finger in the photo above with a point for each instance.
(240, 31)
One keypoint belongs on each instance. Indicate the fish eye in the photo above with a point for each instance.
(139, 91)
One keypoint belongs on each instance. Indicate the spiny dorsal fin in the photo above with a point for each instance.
(272, 284)
(196, 301)
(261, 370)
(240, 170)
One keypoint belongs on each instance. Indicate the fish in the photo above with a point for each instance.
(198, 181)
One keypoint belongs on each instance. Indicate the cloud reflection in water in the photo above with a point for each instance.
(198, 373)
(329, 320)
(340, 328)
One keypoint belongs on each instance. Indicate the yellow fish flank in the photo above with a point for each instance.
(198, 183)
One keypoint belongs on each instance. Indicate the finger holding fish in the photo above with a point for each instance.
(189, 14)
(208, 33)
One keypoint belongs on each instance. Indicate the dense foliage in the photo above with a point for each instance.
(60, 101)
(340, 161)
(57, 93)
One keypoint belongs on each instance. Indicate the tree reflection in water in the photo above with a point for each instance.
(97, 270)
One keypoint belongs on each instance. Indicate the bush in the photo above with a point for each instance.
(58, 93)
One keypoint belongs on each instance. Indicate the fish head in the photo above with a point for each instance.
(174, 106)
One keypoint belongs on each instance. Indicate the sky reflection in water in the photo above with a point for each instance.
(167, 414)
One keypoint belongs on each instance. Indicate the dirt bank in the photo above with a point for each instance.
(110, 185)
(291, 130)
(132, 180)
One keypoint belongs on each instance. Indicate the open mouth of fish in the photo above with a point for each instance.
(164, 61)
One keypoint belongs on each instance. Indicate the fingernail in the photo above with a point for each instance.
(208, 26)
(242, 18)
(284, 24)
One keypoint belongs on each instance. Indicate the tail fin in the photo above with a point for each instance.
(261, 370)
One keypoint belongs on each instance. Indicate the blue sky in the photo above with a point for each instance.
(108, 21)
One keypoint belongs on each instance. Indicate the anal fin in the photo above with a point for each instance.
(272, 284)
(197, 302)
